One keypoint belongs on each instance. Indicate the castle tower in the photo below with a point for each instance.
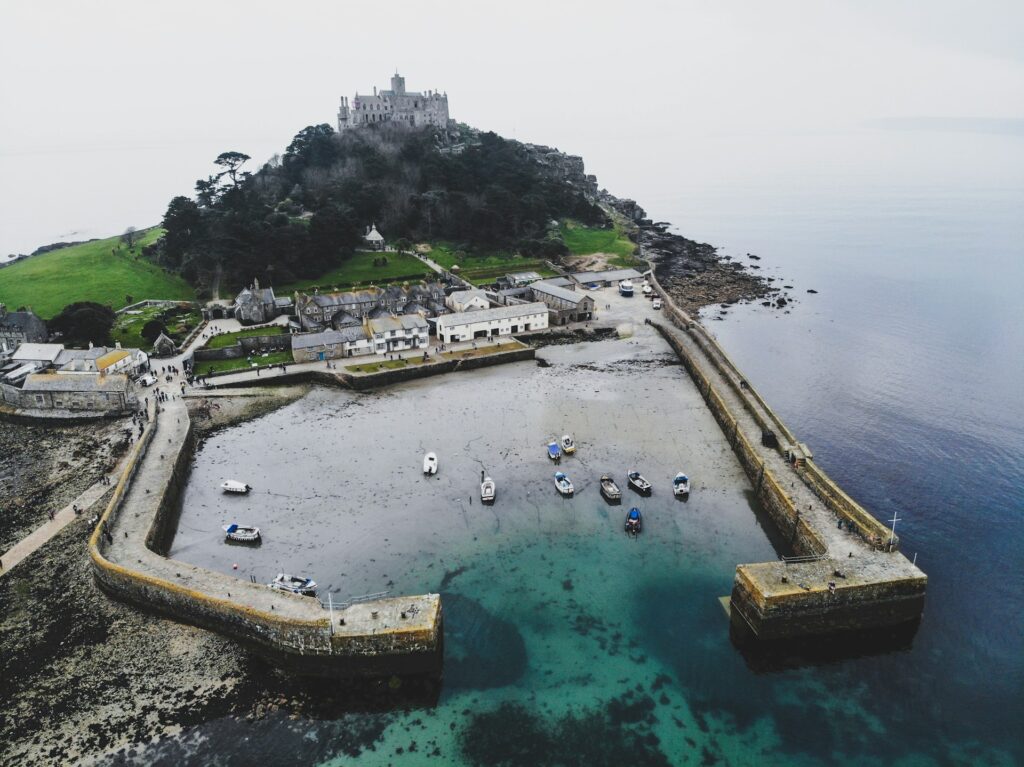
(398, 84)
(343, 115)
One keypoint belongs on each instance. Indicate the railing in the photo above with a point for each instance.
(331, 604)
(802, 559)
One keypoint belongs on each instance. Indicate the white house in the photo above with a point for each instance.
(398, 334)
(487, 323)
(467, 300)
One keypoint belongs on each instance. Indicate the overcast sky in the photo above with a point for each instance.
(127, 102)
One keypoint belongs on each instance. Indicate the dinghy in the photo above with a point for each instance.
(638, 483)
(681, 485)
(563, 484)
(609, 489)
(634, 522)
(303, 586)
(241, 533)
(233, 486)
(430, 463)
(554, 452)
(568, 446)
(488, 490)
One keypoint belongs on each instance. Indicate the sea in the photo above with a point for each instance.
(903, 373)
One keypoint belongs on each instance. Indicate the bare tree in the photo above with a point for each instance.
(130, 236)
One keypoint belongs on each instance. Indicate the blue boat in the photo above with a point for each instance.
(634, 522)
(554, 452)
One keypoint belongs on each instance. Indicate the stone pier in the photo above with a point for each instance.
(847, 572)
(398, 636)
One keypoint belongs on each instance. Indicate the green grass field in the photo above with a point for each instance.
(585, 240)
(224, 340)
(90, 272)
(128, 328)
(485, 268)
(360, 271)
(221, 366)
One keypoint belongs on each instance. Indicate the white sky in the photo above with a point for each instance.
(166, 87)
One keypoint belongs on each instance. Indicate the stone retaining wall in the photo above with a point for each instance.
(245, 345)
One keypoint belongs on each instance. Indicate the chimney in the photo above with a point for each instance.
(90, 344)
(117, 344)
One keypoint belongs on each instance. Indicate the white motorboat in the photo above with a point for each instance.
(303, 586)
(638, 483)
(563, 484)
(625, 288)
(488, 490)
(430, 463)
(234, 486)
(648, 290)
(568, 446)
(609, 489)
(241, 533)
(681, 485)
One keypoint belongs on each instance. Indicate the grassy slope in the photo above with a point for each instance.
(128, 328)
(224, 340)
(89, 272)
(359, 270)
(584, 240)
(486, 267)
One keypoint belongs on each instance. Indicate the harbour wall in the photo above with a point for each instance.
(842, 582)
(402, 636)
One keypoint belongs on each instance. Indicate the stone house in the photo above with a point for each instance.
(317, 311)
(18, 328)
(255, 305)
(398, 334)
(350, 341)
(112, 394)
(565, 305)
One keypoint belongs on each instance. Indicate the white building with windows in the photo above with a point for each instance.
(489, 323)
(467, 300)
(399, 334)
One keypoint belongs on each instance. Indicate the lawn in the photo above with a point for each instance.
(221, 366)
(359, 269)
(224, 340)
(179, 321)
(585, 240)
(484, 268)
(103, 271)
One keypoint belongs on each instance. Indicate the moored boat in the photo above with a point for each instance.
(488, 490)
(303, 586)
(681, 485)
(625, 288)
(609, 489)
(648, 290)
(563, 484)
(242, 533)
(430, 463)
(634, 521)
(568, 446)
(554, 452)
(638, 483)
(234, 486)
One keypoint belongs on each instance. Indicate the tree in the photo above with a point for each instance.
(84, 322)
(231, 162)
(183, 226)
(152, 330)
(403, 245)
(129, 237)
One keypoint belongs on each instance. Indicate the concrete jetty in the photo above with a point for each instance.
(397, 636)
(847, 572)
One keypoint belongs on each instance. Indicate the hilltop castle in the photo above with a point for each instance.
(412, 108)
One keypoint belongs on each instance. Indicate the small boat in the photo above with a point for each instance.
(638, 483)
(625, 288)
(554, 452)
(648, 290)
(563, 484)
(609, 489)
(303, 586)
(430, 463)
(568, 446)
(241, 533)
(488, 490)
(681, 485)
(634, 522)
(233, 486)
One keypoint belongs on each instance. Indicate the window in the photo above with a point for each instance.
(39, 399)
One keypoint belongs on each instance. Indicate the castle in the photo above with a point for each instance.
(412, 108)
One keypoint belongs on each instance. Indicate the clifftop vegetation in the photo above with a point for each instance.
(302, 214)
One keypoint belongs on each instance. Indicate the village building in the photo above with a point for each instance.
(41, 355)
(164, 346)
(103, 360)
(398, 334)
(396, 105)
(520, 279)
(489, 323)
(607, 278)
(256, 305)
(18, 328)
(565, 305)
(317, 311)
(350, 341)
(374, 240)
(467, 300)
(108, 394)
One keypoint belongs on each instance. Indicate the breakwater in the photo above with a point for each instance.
(846, 572)
(402, 636)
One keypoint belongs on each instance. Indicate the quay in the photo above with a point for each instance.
(847, 573)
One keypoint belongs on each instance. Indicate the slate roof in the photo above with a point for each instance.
(494, 313)
(75, 382)
(46, 352)
(328, 337)
(572, 296)
(608, 275)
